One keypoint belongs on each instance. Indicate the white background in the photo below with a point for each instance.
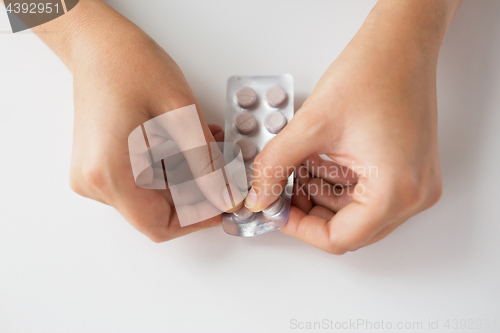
(69, 264)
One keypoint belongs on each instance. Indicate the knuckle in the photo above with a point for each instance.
(336, 247)
(336, 250)
(416, 193)
(435, 193)
(74, 182)
(410, 194)
(182, 99)
(157, 238)
(75, 186)
(94, 177)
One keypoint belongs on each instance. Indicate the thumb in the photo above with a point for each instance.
(279, 159)
(193, 143)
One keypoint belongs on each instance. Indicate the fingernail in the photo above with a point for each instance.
(251, 199)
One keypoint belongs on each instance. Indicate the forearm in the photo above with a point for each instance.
(90, 27)
(421, 14)
(409, 28)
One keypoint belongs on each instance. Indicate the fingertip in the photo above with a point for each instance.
(251, 200)
(235, 208)
(214, 128)
(219, 137)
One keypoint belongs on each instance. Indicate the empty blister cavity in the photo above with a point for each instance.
(274, 208)
(243, 215)
(276, 96)
(257, 108)
(275, 122)
(259, 223)
(246, 97)
(245, 123)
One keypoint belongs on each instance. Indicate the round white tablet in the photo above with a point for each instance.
(275, 122)
(245, 123)
(276, 96)
(246, 97)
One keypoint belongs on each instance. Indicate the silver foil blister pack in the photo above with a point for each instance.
(257, 108)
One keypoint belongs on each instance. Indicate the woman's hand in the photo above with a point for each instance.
(122, 79)
(373, 112)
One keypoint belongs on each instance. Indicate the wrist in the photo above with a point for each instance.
(408, 29)
(427, 12)
(91, 27)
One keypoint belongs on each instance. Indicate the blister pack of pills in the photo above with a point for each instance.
(257, 108)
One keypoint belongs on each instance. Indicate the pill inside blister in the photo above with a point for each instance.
(276, 96)
(243, 215)
(275, 207)
(275, 122)
(257, 108)
(245, 123)
(246, 97)
(248, 149)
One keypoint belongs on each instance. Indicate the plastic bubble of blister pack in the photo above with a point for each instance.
(257, 108)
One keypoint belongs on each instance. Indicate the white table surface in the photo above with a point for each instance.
(69, 264)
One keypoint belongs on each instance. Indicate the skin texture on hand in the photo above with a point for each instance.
(375, 107)
(122, 78)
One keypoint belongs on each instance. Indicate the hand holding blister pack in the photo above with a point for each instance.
(206, 179)
(170, 152)
(257, 108)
